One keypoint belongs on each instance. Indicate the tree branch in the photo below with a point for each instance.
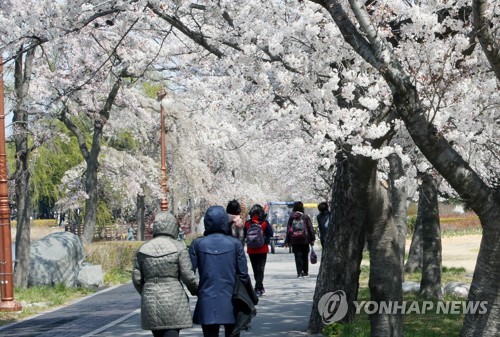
(491, 48)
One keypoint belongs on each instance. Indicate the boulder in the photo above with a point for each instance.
(411, 287)
(90, 276)
(54, 259)
(459, 289)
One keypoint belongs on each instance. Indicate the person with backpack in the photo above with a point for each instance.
(258, 233)
(300, 235)
(323, 219)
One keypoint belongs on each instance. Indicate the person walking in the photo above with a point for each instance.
(159, 266)
(233, 210)
(300, 235)
(258, 233)
(323, 219)
(220, 261)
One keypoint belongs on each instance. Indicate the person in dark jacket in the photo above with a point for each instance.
(220, 260)
(300, 240)
(159, 267)
(258, 255)
(323, 219)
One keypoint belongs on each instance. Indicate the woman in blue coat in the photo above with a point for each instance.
(219, 258)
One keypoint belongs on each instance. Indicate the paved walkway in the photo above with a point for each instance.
(283, 312)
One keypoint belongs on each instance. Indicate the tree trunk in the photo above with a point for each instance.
(191, 215)
(386, 275)
(485, 201)
(91, 188)
(139, 217)
(485, 284)
(398, 196)
(341, 257)
(92, 158)
(22, 175)
(430, 284)
(414, 262)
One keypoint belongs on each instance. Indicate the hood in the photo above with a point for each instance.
(165, 224)
(296, 215)
(216, 220)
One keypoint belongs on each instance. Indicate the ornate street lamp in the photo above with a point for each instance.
(164, 202)
(6, 275)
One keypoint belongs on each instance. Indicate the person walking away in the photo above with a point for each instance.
(220, 261)
(300, 235)
(258, 233)
(160, 265)
(233, 210)
(323, 219)
(131, 233)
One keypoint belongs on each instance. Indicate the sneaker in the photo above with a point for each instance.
(262, 292)
(305, 275)
(300, 276)
(258, 293)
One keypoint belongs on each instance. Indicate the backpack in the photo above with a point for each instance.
(298, 230)
(255, 237)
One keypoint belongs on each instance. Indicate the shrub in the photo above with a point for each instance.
(332, 330)
(115, 257)
(38, 223)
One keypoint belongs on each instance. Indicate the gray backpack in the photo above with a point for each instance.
(255, 237)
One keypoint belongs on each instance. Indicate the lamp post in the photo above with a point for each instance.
(164, 202)
(6, 275)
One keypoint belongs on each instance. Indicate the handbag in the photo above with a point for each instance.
(313, 257)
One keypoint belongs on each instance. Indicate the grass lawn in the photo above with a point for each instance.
(430, 324)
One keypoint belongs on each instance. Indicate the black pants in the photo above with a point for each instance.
(258, 265)
(213, 330)
(166, 333)
(301, 254)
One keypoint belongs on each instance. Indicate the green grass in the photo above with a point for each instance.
(461, 232)
(448, 274)
(429, 324)
(35, 300)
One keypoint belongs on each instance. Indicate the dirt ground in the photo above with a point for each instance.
(459, 251)
(37, 232)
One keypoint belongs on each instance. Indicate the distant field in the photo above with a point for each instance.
(468, 220)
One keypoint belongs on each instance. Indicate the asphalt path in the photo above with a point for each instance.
(283, 312)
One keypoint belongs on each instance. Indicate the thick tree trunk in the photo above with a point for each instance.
(486, 284)
(22, 175)
(398, 196)
(342, 254)
(139, 217)
(21, 270)
(483, 200)
(386, 275)
(91, 188)
(430, 284)
(414, 262)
